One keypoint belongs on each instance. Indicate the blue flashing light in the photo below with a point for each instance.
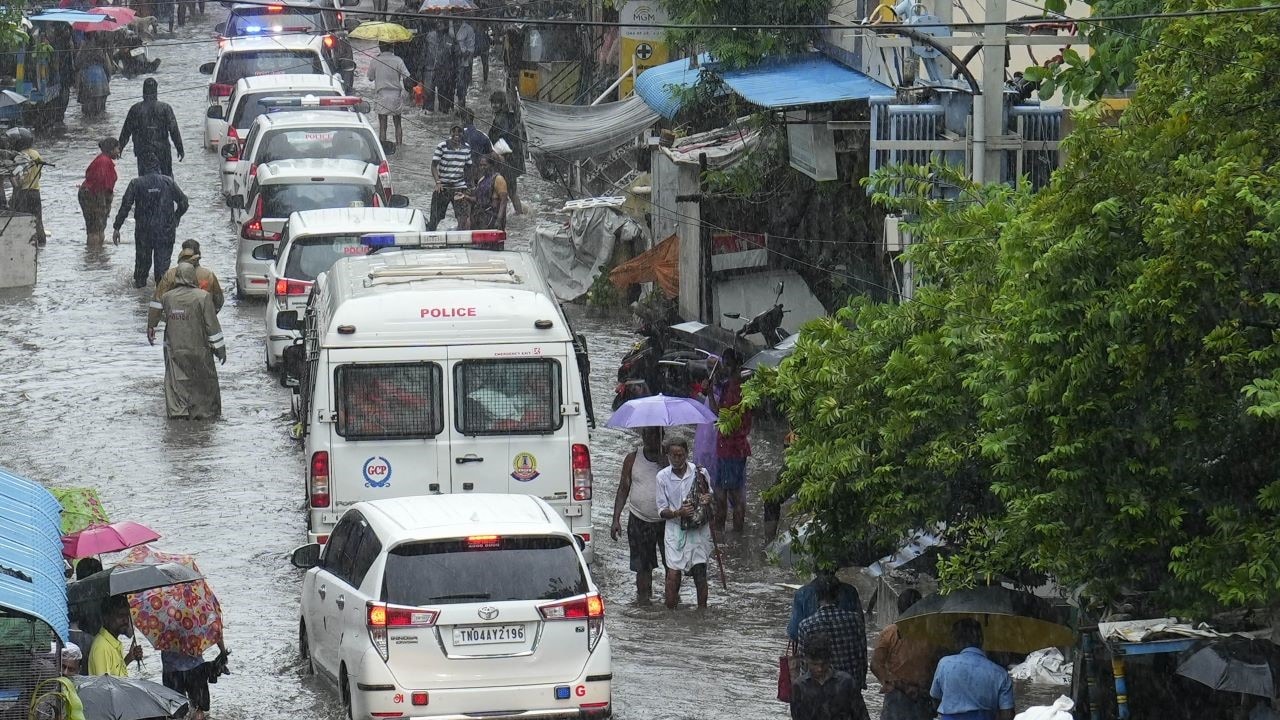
(378, 240)
(253, 29)
(562, 692)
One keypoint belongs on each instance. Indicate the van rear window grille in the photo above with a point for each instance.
(390, 401)
(507, 397)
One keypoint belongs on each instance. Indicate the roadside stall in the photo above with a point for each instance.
(33, 599)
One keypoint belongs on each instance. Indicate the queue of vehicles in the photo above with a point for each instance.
(441, 394)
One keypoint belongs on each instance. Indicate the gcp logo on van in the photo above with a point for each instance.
(524, 467)
(377, 472)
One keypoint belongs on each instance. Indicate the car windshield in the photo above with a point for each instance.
(444, 572)
(249, 108)
(273, 19)
(278, 201)
(253, 63)
(349, 143)
(310, 256)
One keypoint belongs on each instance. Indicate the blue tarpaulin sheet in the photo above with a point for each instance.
(802, 80)
(31, 565)
(811, 79)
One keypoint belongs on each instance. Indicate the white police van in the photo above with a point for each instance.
(443, 370)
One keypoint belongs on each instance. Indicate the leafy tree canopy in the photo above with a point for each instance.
(737, 48)
(1088, 383)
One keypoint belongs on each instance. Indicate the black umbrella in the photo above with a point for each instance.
(124, 579)
(107, 697)
(1234, 664)
(1012, 621)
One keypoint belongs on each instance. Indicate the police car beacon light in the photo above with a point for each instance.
(478, 239)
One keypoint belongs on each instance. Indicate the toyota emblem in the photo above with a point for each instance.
(488, 612)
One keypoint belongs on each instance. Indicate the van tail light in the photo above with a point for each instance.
(377, 199)
(379, 617)
(329, 40)
(219, 90)
(291, 288)
(318, 483)
(581, 457)
(589, 607)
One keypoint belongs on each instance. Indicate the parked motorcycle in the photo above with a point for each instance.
(767, 324)
(650, 368)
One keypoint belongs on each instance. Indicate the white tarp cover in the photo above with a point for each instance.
(577, 132)
(572, 255)
(723, 146)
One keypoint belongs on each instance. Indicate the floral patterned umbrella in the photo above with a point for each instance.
(183, 618)
(80, 508)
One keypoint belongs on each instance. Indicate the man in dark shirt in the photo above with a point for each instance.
(844, 631)
(823, 692)
(157, 204)
(152, 126)
(805, 602)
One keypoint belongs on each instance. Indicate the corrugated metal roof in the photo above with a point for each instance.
(31, 565)
(802, 80)
(656, 84)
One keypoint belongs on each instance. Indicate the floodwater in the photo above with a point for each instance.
(82, 404)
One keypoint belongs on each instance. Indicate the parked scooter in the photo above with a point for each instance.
(767, 324)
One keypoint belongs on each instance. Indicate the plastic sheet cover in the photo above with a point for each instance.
(578, 132)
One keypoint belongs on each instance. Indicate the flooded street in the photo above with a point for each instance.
(83, 405)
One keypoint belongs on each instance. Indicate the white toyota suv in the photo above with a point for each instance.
(456, 606)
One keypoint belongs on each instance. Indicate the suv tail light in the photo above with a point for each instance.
(589, 607)
(380, 616)
(318, 485)
(291, 288)
(329, 40)
(219, 90)
(252, 230)
(384, 178)
(234, 136)
(581, 472)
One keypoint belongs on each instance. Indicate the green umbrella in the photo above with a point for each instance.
(81, 508)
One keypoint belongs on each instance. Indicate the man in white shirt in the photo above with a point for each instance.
(687, 548)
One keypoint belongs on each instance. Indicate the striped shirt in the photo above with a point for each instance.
(453, 163)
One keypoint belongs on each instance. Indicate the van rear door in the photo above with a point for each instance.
(390, 424)
(510, 434)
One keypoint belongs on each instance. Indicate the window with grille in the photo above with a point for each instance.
(502, 397)
(390, 401)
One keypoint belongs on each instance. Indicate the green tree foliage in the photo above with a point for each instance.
(737, 48)
(1088, 384)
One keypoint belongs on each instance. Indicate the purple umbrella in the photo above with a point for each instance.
(660, 411)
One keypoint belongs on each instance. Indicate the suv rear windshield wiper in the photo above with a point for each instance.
(460, 596)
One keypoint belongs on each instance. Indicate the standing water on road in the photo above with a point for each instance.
(83, 404)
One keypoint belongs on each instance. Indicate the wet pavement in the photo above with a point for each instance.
(83, 404)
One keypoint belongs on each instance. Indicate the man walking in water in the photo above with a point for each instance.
(160, 205)
(684, 501)
(638, 489)
(151, 125)
(192, 339)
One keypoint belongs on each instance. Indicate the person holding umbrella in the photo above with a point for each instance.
(107, 656)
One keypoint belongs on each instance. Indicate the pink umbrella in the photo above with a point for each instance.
(98, 539)
(122, 15)
(114, 18)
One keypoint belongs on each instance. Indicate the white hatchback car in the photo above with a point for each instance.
(282, 188)
(306, 134)
(243, 106)
(456, 606)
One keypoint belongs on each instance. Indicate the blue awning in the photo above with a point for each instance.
(659, 85)
(32, 582)
(800, 80)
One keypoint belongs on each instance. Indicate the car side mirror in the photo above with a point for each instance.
(236, 202)
(350, 23)
(364, 107)
(291, 364)
(214, 112)
(206, 69)
(229, 151)
(398, 201)
(306, 556)
(263, 252)
(220, 28)
(582, 544)
(346, 65)
(288, 320)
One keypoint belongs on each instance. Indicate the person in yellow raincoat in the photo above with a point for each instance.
(205, 280)
(192, 339)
